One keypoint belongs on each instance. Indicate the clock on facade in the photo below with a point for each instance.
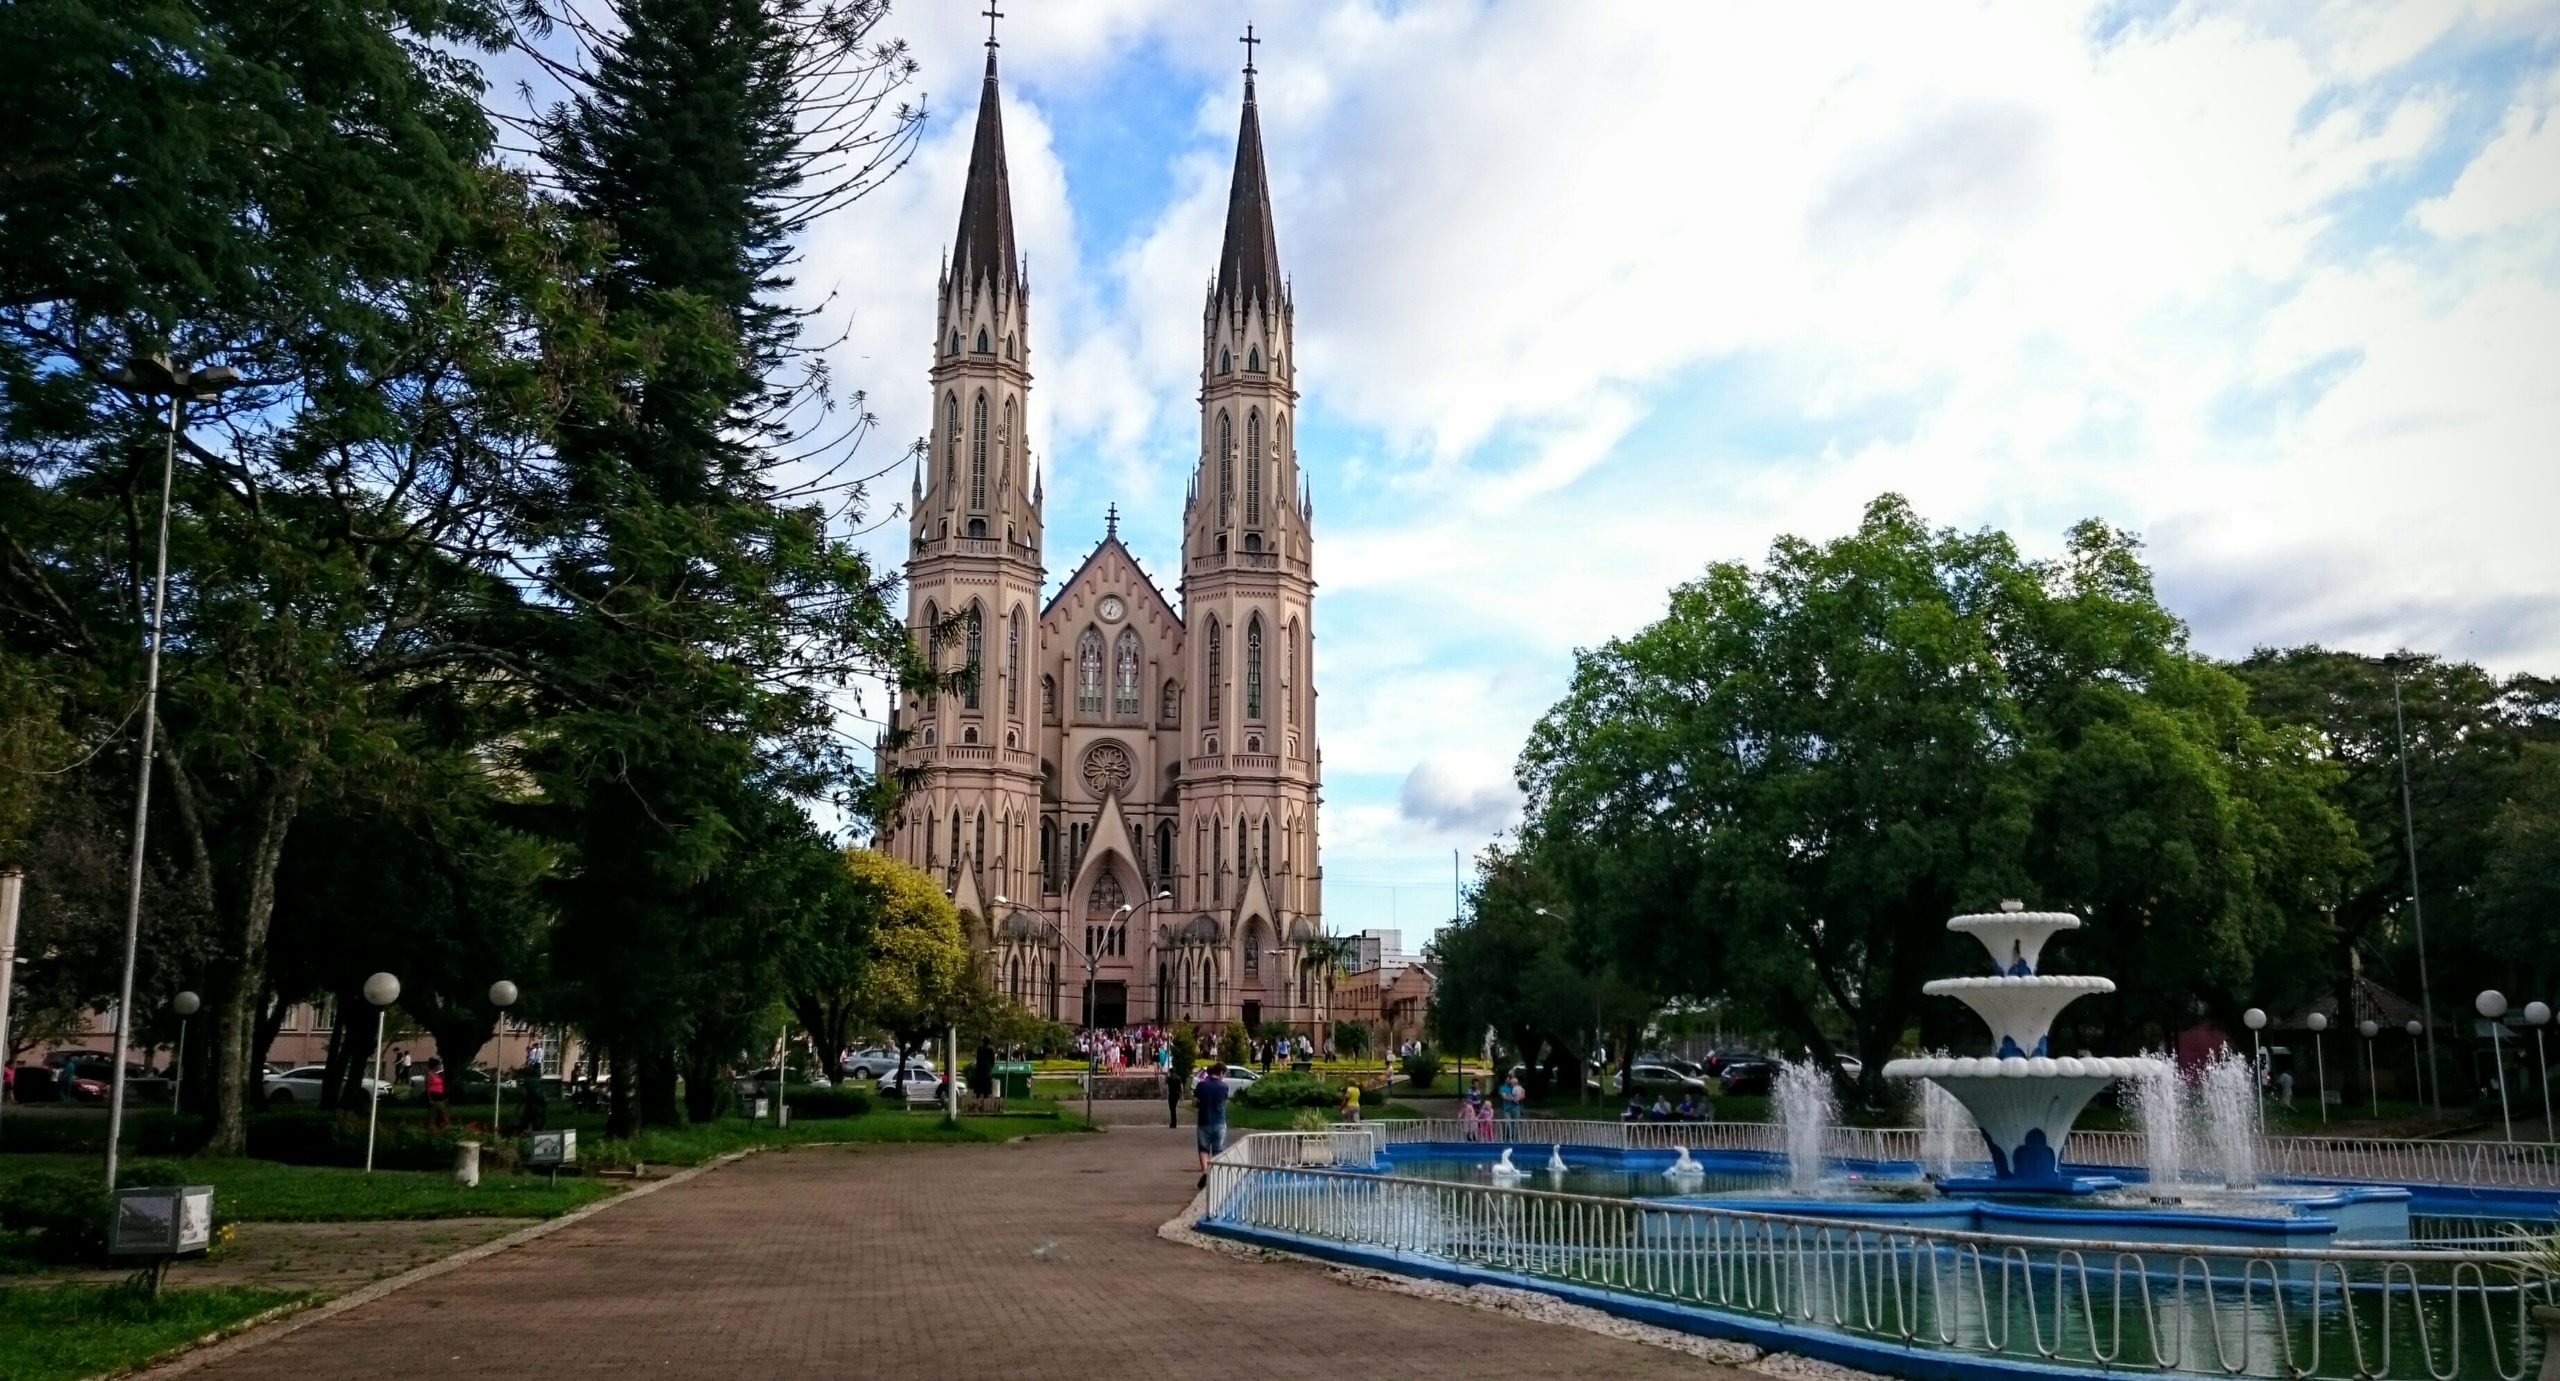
(1112, 608)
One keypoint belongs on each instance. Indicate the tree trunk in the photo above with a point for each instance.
(241, 973)
(658, 1089)
(342, 1061)
(624, 1120)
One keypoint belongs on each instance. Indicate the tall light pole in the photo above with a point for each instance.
(2319, 1022)
(381, 990)
(502, 995)
(2538, 1015)
(1023, 924)
(2417, 911)
(2492, 1004)
(2370, 1029)
(2417, 1068)
(12, 883)
(158, 376)
(2256, 1021)
(185, 1005)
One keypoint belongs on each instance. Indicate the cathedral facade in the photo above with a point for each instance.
(1121, 778)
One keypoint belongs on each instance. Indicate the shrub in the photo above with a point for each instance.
(1291, 1091)
(1422, 1068)
(818, 1103)
(319, 1138)
(156, 1133)
(65, 1213)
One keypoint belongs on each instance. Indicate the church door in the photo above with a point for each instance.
(1110, 1004)
(1253, 1016)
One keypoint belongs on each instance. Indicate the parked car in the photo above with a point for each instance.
(917, 1068)
(303, 1084)
(873, 1061)
(1658, 1078)
(1238, 1077)
(1748, 1074)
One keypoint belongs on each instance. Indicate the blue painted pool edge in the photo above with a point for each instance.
(1917, 1363)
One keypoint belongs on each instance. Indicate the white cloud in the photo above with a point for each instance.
(1597, 294)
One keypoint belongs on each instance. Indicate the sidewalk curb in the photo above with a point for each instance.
(275, 1324)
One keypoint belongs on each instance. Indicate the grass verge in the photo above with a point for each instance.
(76, 1331)
(264, 1191)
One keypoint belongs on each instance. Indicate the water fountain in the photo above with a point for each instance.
(1802, 1101)
(2159, 1105)
(2022, 1097)
(1947, 1134)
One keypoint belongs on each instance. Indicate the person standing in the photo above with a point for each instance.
(435, 1094)
(1211, 1098)
(1351, 1101)
(1513, 1097)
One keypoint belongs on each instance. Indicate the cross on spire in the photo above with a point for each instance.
(1248, 41)
(1111, 521)
(993, 14)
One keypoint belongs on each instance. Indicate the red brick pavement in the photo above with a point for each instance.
(1034, 1260)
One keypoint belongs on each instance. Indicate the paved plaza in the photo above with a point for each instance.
(1038, 1259)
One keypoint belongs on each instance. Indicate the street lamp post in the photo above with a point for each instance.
(2370, 1030)
(12, 882)
(1090, 954)
(185, 1005)
(502, 995)
(2417, 1067)
(381, 990)
(2256, 1020)
(2417, 911)
(2538, 1015)
(2319, 1022)
(2493, 1005)
(158, 376)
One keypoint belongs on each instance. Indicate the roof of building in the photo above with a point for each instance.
(1249, 263)
(984, 245)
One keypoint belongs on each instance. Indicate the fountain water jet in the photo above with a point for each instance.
(1947, 1133)
(1802, 1099)
(2230, 1098)
(2159, 1105)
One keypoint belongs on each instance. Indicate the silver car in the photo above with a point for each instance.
(302, 1085)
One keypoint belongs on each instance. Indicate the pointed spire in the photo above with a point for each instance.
(1249, 265)
(984, 246)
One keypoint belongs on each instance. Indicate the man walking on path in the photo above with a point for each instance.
(1212, 1098)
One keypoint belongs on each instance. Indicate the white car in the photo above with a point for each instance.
(302, 1085)
(877, 1060)
(918, 1070)
(1237, 1076)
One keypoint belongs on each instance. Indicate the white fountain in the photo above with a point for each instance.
(2022, 1096)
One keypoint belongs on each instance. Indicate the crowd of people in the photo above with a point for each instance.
(1141, 1048)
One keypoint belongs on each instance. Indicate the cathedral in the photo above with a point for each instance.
(1122, 780)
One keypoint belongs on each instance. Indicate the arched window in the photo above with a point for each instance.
(1049, 696)
(954, 347)
(1253, 952)
(1008, 347)
(1266, 846)
(928, 735)
(978, 849)
(953, 858)
(951, 436)
(1172, 709)
(969, 733)
(1218, 844)
(1253, 669)
(1289, 688)
(1124, 675)
(1226, 467)
(1244, 849)
(978, 452)
(1253, 468)
(1013, 665)
(1214, 658)
(1164, 853)
(1089, 673)
(1226, 364)
(983, 346)
(1048, 855)
(971, 669)
(1004, 452)
(1253, 359)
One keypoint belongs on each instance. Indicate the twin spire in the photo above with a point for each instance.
(1248, 262)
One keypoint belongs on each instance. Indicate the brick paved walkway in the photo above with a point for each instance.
(1032, 1260)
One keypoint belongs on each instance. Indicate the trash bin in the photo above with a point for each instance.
(1013, 1079)
(466, 1164)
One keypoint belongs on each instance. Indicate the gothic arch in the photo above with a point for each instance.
(973, 665)
(1253, 468)
(1089, 672)
(1216, 654)
(1226, 465)
(978, 444)
(1128, 658)
(951, 433)
(1253, 668)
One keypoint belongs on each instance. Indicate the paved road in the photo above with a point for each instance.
(1035, 1260)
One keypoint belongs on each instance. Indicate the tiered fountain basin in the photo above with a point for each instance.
(2022, 1096)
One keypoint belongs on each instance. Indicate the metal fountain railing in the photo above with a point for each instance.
(2423, 1314)
(2478, 1164)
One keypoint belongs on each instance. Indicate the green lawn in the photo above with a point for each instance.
(264, 1191)
(61, 1334)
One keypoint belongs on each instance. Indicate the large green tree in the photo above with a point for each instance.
(1829, 755)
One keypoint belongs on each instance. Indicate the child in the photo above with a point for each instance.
(1350, 1102)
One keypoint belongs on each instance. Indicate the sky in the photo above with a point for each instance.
(1593, 294)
